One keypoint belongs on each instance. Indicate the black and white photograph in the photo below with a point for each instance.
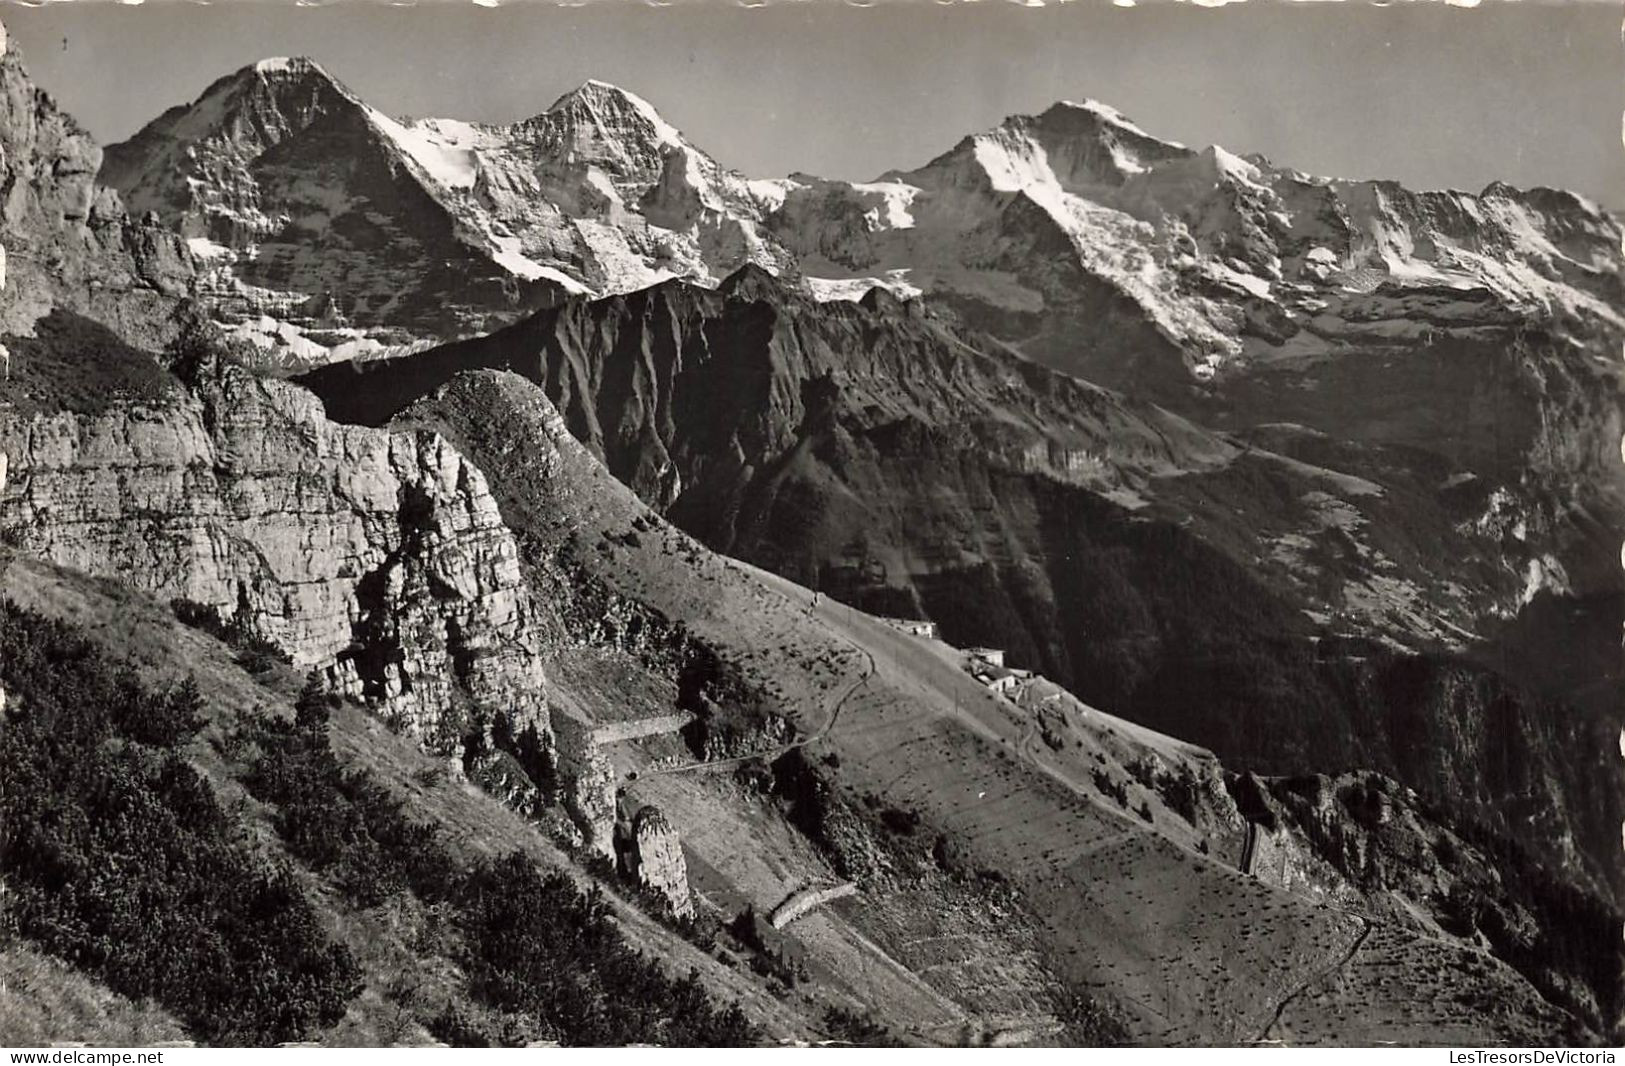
(811, 524)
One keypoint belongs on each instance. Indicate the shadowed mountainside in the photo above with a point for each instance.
(1294, 609)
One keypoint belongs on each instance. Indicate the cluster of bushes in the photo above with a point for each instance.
(253, 652)
(339, 822)
(73, 363)
(858, 1030)
(770, 954)
(544, 958)
(120, 861)
(1577, 932)
(1109, 786)
(842, 830)
(733, 716)
(200, 350)
(539, 947)
(1178, 787)
(1089, 1022)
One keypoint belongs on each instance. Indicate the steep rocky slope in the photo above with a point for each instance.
(749, 409)
(68, 243)
(1213, 587)
(993, 792)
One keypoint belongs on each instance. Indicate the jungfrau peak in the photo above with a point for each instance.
(1077, 225)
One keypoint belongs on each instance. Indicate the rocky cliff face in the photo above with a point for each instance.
(320, 225)
(1481, 329)
(872, 449)
(68, 242)
(1365, 837)
(377, 557)
(590, 793)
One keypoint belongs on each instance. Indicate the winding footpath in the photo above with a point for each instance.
(1347, 957)
(830, 720)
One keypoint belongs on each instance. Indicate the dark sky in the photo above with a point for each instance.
(1430, 94)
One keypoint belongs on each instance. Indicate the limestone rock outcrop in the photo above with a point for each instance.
(651, 855)
(378, 557)
(69, 242)
(589, 783)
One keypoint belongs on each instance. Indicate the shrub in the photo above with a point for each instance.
(253, 652)
(544, 957)
(539, 946)
(120, 861)
(314, 705)
(861, 1030)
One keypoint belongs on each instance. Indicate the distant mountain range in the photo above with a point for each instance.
(1095, 245)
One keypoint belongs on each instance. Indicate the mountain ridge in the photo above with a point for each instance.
(915, 469)
(1222, 260)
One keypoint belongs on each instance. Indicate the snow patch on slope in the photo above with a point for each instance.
(507, 254)
(895, 198)
(444, 148)
(830, 289)
(204, 248)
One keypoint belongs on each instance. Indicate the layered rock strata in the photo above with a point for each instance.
(379, 558)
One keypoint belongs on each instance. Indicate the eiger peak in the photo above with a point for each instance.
(289, 65)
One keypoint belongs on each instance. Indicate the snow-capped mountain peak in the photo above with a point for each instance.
(288, 65)
(1093, 119)
(607, 103)
(602, 125)
(1219, 259)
